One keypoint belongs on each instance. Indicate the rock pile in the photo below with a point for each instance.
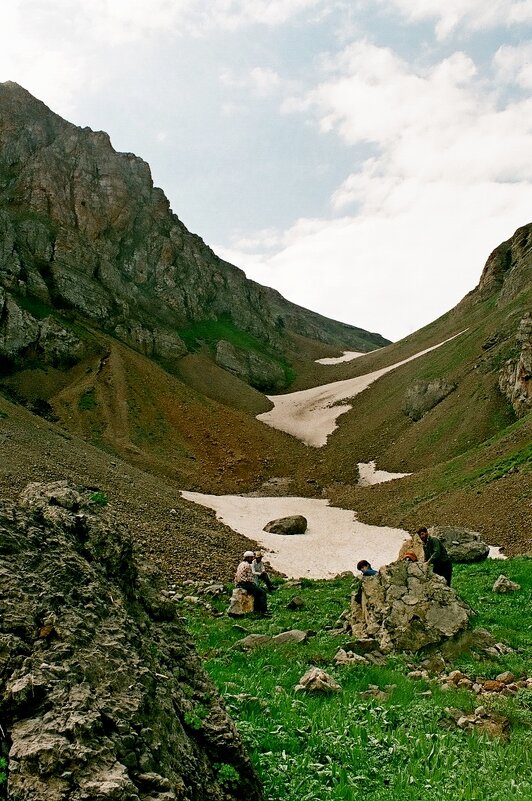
(405, 607)
(101, 692)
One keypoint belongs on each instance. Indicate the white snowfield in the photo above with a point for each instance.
(369, 475)
(311, 414)
(334, 541)
(347, 356)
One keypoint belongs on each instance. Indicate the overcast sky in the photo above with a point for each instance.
(361, 156)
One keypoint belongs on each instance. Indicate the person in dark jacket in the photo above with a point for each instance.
(436, 555)
(365, 568)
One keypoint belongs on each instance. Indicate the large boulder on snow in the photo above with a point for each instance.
(295, 524)
(462, 544)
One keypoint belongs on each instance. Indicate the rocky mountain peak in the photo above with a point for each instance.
(84, 231)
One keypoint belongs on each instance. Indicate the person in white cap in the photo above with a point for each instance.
(244, 579)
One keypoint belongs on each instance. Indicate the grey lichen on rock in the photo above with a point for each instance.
(405, 607)
(101, 692)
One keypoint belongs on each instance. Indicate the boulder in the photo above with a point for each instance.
(462, 544)
(406, 607)
(317, 680)
(503, 584)
(296, 524)
(241, 603)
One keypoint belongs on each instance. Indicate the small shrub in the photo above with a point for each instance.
(87, 401)
(194, 718)
(99, 498)
(226, 774)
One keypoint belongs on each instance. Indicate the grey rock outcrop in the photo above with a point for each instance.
(462, 544)
(22, 336)
(515, 378)
(405, 607)
(423, 396)
(253, 368)
(101, 692)
(295, 524)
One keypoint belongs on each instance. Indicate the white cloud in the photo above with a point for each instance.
(471, 14)
(261, 81)
(451, 177)
(514, 65)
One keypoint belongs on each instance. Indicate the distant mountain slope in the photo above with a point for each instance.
(469, 447)
(84, 235)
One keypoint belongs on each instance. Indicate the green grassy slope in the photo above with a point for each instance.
(350, 746)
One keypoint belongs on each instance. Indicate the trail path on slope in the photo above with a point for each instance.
(310, 414)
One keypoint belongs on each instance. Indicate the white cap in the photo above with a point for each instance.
(249, 553)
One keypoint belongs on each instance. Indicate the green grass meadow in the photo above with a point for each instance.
(352, 745)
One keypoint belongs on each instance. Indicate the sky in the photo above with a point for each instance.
(363, 157)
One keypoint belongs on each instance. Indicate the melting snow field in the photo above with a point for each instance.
(310, 415)
(334, 541)
(347, 356)
(369, 475)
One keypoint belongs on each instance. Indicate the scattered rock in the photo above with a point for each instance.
(343, 657)
(254, 640)
(317, 680)
(295, 524)
(480, 720)
(503, 584)
(295, 603)
(241, 603)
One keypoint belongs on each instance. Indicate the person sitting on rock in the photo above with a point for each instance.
(260, 573)
(365, 568)
(244, 579)
(436, 555)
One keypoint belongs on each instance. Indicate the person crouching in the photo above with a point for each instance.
(244, 579)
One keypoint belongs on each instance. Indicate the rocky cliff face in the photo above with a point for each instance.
(515, 378)
(101, 693)
(83, 230)
(508, 270)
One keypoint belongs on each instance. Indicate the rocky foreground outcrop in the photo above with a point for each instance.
(406, 607)
(102, 695)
